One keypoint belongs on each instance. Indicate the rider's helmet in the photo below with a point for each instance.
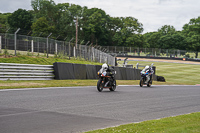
(105, 66)
(147, 67)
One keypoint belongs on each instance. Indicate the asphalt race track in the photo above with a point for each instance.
(79, 109)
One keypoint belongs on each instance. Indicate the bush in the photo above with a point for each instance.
(5, 52)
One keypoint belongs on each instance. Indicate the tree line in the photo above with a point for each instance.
(97, 27)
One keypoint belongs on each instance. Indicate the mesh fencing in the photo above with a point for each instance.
(53, 47)
(151, 52)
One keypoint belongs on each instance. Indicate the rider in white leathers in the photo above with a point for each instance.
(148, 70)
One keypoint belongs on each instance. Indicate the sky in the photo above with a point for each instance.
(153, 14)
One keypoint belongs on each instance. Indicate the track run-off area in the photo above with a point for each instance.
(80, 109)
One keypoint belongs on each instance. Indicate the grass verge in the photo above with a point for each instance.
(174, 73)
(13, 84)
(189, 123)
(22, 59)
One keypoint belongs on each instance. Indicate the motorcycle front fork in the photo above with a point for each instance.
(147, 79)
(106, 82)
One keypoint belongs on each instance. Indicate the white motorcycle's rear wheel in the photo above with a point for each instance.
(141, 82)
(149, 83)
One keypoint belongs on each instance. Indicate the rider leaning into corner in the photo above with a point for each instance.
(109, 70)
(148, 70)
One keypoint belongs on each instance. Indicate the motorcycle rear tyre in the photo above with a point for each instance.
(149, 84)
(100, 85)
(113, 86)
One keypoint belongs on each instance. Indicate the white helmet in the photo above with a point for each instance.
(105, 66)
(147, 67)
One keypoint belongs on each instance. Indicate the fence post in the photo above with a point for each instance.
(167, 52)
(74, 51)
(48, 45)
(93, 54)
(32, 46)
(56, 48)
(70, 47)
(16, 40)
(69, 51)
(137, 65)
(38, 45)
(0, 44)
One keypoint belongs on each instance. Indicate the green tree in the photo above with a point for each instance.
(46, 9)
(3, 21)
(63, 21)
(42, 26)
(94, 25)
(20, 19)
(192, 34)
(151, 39)
(174, 41)
(167, 29)
(125, 31)
(166, 38)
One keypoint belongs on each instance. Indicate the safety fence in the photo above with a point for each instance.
(14, 71)
(51, 47)
(151, 52)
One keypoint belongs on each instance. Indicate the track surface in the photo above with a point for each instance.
(79, 109)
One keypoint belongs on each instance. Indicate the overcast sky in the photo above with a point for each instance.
(153, 14)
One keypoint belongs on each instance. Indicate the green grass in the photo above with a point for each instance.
(190, 54)
(189, 123)
(22, 59)
(45, 83)
(174, 73)
(13, 84)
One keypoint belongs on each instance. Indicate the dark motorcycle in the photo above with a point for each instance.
(106, 81)
(144, 78)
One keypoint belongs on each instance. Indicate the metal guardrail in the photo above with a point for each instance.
(14, 71)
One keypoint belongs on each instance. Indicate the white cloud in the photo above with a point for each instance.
(153, 14)
(13, 5)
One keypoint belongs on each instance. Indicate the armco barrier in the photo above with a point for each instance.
(14, 71)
